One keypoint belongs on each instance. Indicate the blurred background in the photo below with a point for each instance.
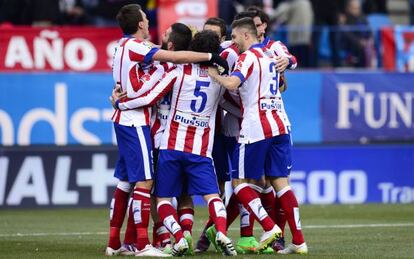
(350, 100)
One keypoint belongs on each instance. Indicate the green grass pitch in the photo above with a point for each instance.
(334, 231)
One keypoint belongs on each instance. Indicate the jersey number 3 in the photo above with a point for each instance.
(199, 93)
(274, 83)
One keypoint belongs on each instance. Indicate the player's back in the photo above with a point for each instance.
(191, 121)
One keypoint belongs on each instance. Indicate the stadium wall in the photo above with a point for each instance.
(82, 176)
(57, 140)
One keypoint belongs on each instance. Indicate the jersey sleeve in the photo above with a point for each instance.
(141, 51)
(281, 50)
(142, 81)
(244, 67)
(155, 93)
(231, 56)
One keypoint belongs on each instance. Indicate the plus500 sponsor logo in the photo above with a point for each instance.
(327, 187)
(191, 120)
(270, 104)
(346, 187)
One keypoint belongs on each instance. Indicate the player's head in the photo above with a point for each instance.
(264, 18)
(244, 33)
(206, 41)
(217, 25)
(132, 19)
(254, 14)
(245, 14)
(177, 37)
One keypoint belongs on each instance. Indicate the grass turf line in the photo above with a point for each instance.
(355, 242)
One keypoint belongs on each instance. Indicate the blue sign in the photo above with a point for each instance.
(55, 108)
(79, 176)
(302, 101)
(353, 174)
(367, 107)
(73, 108)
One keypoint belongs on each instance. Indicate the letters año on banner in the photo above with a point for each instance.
(57, 48)
(367, 107)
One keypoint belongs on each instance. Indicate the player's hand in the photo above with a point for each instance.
(117, 94)
(281, 63)
(213, 72)
(220, 63)
(282, 83)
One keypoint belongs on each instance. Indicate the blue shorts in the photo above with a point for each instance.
(222, 149)
(134, 153)
(271, 157)
(180, 172)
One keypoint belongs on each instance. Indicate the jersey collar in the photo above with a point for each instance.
(266, 41)
(257, 45)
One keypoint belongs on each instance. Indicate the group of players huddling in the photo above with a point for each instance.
(178, 108)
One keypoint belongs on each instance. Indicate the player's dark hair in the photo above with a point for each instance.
(206, 41)
(128, 18)
(218, 22)
(246, 23)
(245, 14)
(180, 36)
(260, 13)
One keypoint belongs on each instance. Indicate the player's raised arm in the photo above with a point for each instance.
(159, 90)
(181, 57)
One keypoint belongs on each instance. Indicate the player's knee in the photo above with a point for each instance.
(144, 184)
(185, 201)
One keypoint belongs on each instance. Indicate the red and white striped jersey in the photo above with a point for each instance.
(230, 101)
(161, 109)
(281, 50)
(230, 53)
(131, 68)
(194, 101)
(262, 106)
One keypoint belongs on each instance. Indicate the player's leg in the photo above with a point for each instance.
(130, 233)
(120, 199)
(248, 163)
(278, 165)
(160, 234)
(232, 207)
(221, 165)
(169, 184)
(138, 159)
(247, 243)
(202, 181)
(272, 205)
(185, 210)
(118, 210)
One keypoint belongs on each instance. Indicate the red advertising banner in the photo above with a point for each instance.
(57, 48)
(190, 12)
(398, 48)
(388, 45)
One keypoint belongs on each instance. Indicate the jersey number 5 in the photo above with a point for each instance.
(199, 93)
(274, 83)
